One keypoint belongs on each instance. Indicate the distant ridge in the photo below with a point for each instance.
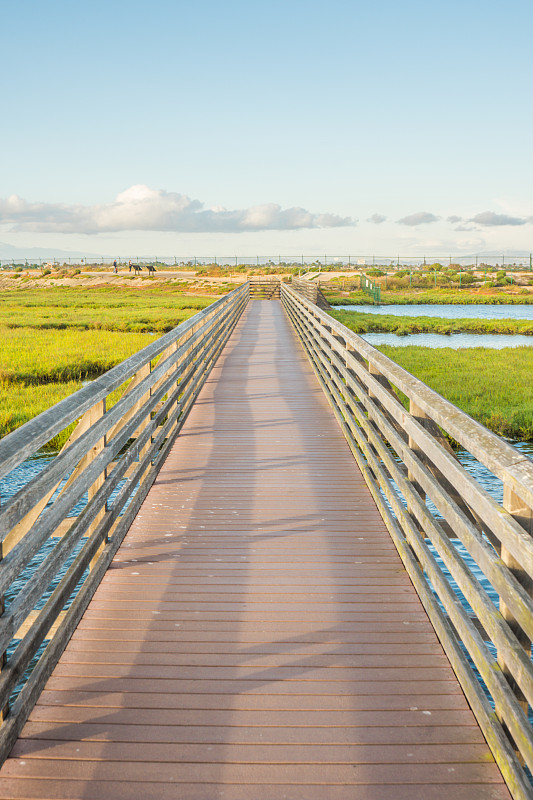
(10, 251)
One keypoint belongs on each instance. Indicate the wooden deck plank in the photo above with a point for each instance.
(42, 789)
(256, 636)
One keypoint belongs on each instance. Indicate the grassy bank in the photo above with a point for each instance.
(432, 297)
(359, 322)
(493, 386)
(53, 339)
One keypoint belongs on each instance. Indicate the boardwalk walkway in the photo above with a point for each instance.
(256, 637)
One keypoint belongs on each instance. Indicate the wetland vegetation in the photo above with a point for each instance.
(52, 339)
(355, 296)
(493, 386)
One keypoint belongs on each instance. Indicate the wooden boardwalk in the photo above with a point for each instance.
(256, 637)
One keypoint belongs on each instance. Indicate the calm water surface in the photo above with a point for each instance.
(454, 340)
(449, 311)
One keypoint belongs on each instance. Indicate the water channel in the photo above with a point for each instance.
(453, 340)
(449, 311)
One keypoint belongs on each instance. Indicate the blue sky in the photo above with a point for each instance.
(247, 127)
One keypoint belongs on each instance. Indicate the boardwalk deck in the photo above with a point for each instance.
(256, 637)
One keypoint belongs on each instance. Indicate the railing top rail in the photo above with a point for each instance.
(17, 446)
(510, 466)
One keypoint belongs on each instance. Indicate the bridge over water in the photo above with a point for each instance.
(249, 575)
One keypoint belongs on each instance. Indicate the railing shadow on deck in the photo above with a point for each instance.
(431, 504)
(127, 421)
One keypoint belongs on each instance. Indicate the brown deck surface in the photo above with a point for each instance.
(256, 637)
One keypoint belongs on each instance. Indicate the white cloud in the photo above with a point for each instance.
(489, 218)
(420, 218)
(143, 209)
(377, 219)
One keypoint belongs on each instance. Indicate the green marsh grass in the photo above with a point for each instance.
(494, 386)
(54, 339)
(437, 296)
(134, 310)
(32, 356)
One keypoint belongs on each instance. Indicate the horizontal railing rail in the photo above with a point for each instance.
(61, 530)
(437, 512)
(305, 288)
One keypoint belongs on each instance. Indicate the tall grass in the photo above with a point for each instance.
(493, 386)
(33, 356)
(20, 402)
(53, 339)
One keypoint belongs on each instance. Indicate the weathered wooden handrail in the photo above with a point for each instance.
(311, 291)
(88, 495)
(407, 461)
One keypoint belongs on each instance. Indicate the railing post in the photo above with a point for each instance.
(523, 514)
(417, 413)
(144, 373)
(94, 414)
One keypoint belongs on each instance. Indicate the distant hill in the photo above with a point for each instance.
(8, 251)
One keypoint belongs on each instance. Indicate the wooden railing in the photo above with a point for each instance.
(265, 287)
(71, 518)
(435, 511)
(311, 291)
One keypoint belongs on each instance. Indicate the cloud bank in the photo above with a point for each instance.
(144, 209)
